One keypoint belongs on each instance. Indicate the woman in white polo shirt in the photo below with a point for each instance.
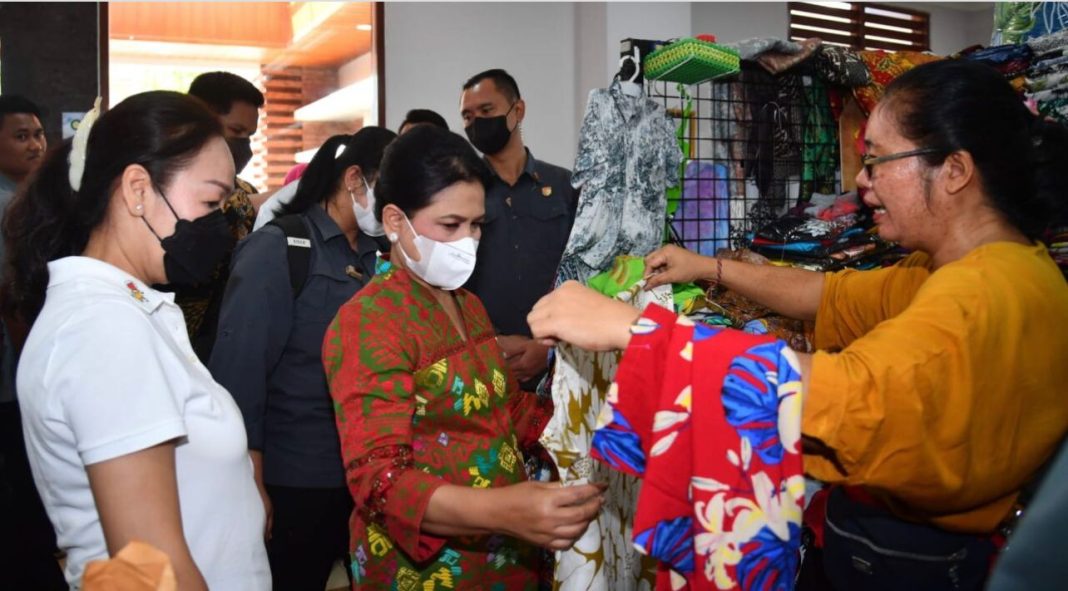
(128, 435)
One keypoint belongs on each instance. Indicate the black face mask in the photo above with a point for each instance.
(192, 253)
(490, 134)
(241, 150)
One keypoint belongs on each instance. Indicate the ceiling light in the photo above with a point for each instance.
(363, 27)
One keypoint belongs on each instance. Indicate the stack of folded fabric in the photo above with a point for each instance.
(774, 54)
(1058, 248)
(802, 241)
(728, 308)
(1011, 60)
(884, 67)
(1047, 78)
(824, 235)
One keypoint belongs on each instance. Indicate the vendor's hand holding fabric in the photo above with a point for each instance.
(672, 264)
(579, 315)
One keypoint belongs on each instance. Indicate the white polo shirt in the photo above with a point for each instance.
(107, 371)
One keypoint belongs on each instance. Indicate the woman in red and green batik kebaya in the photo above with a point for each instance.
(431, 423)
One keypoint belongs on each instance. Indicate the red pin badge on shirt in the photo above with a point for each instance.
(135, 293)
(546, 191)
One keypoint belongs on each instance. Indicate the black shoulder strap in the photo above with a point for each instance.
(298, 249)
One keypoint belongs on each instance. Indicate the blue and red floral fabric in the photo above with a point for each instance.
(711, 420)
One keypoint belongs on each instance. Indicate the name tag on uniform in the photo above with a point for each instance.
(298, 242)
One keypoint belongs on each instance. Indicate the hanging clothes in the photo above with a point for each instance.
(688, 126)
(703, 221)
(819, 152)
(604, 558)
(627, 157)
(760, 97)
(711, 419)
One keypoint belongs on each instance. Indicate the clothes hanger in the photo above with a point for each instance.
(629, 86)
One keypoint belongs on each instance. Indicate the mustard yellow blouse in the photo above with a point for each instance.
(942, 391)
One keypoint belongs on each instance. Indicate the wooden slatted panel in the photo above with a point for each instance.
(893, 28)
(861, 25)
(284, 95)
(838, 22)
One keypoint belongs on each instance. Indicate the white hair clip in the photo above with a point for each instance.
(76, 160)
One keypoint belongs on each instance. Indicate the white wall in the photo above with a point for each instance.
(981, 26)
(735, 21)
(953, 29)
(557, 52)
(642, 20)
(591, 54)
(433, 48)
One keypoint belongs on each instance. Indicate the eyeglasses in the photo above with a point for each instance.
(870, 161)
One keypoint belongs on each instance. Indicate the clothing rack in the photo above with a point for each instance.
(756, 145)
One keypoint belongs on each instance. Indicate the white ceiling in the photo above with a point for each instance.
(964, 6)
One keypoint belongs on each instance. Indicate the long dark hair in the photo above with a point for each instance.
(325, 172)
(160, 130)
(422, 162)
(1022, 159)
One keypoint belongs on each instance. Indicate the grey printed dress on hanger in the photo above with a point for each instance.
(627, 158)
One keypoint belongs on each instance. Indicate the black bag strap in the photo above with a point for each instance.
(298, 249)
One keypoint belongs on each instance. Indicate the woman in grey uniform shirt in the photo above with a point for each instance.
(287, 281)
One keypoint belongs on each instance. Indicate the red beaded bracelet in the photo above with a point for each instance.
(719, 274)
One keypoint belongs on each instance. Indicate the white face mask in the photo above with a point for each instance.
(446, 265)
(365, 216)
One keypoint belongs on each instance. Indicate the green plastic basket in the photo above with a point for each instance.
(690, 61)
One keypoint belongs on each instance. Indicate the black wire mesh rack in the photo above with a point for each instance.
(754, 146)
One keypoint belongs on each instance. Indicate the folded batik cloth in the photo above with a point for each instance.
(841, 65)
(884, 67)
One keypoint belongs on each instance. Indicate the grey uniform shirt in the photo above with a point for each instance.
(525, 230)
(268, 351)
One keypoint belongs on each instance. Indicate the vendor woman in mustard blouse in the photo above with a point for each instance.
(938, 387)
